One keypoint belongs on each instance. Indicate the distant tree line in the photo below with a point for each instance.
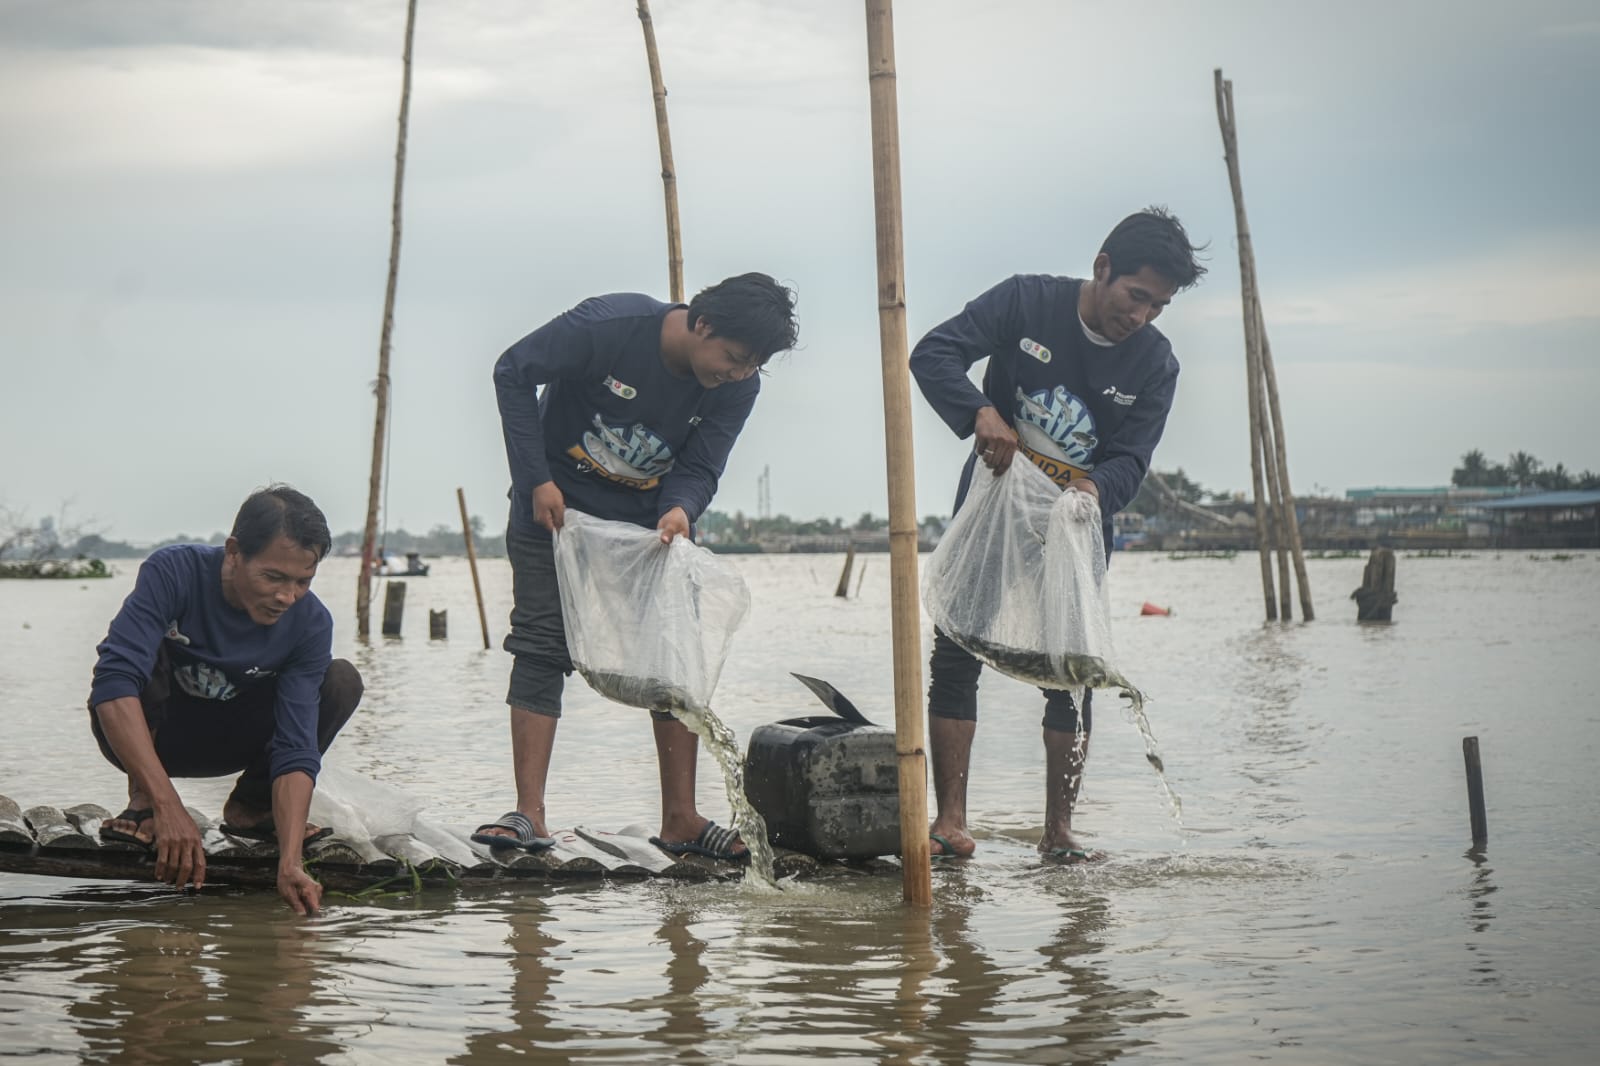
(1521, 471)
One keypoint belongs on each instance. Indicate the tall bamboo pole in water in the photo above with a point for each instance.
(1266, 413)
(374, 480)
(1252, 370)
(1291, 521)
(905, 609)
(669, 176)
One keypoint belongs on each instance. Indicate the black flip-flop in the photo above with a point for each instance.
(714, 842)
(266, 831)
(519, 824)
(119, 836)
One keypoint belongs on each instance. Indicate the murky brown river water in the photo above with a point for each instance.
(1317, 905)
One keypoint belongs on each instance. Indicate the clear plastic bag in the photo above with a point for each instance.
(1019, 581)
(648, 624)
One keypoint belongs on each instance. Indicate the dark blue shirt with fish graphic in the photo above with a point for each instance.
(621, 435)
(217, 651)
(1080, 409)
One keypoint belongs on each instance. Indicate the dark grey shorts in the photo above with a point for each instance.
(538, 638)
(953, 690)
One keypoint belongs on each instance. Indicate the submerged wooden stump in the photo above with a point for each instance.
(1375, 599)
(394, 607)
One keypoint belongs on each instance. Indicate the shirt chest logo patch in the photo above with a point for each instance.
(1035, 349)
(627, 392)
(1124, 398)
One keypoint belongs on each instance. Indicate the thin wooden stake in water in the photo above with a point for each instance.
(472, 563)
(375, 478)
(669, 175)
(905, 610)
(1480, 818)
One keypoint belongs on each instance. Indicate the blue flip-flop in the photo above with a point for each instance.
(1072, 856)
(518, 823)
(714, 842)
(949, 851)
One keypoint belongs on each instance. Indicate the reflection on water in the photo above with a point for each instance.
(1313, 907)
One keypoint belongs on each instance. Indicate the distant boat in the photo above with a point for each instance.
(414, 566)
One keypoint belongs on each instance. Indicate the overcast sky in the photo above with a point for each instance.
(194, 228)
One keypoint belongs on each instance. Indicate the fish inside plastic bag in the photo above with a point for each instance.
(648, 624)
(1019, 581)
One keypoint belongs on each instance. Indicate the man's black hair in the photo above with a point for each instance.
(280, 511)
(753, 310)
(1153, 238)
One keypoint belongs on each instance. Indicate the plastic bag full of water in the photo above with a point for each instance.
(648, 624)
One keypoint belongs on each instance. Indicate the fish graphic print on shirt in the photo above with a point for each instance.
(1056, 430)
(628, 454)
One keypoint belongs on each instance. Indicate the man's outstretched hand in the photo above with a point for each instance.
(298, 890)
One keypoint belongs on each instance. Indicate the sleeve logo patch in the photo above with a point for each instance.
(627, 392)
(1035, 349)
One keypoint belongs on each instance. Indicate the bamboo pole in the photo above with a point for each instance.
(1252, 371)
(1269, 412)
(905, 610)
(669, 175)
(1291, 520)
(472, 563)
(375, 477)
(1269, 467)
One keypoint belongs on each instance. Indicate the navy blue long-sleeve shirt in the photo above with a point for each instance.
(216, 650)
(1080, 409)
(621, 436)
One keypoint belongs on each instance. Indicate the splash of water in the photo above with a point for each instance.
(1135, 712)
(724, 747)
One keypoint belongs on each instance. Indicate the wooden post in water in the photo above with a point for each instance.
(1291, 521)
(1480, 817)
(438, 625)
(1375, 599)
(669, 175)
(905, 610)
(843, 589)
(1269, 462)
(472, 564)
(394, 607)
(381, 387)
(1252, 373)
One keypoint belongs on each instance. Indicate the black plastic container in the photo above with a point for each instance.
(826, 787)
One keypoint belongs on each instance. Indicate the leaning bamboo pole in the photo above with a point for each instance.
(669, 175)
(1267, 414)
(905, 608)
(1252, 367)
(1291, 521)
(381, 388)
(1269, 467)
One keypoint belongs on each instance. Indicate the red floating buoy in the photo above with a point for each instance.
(1150, 608)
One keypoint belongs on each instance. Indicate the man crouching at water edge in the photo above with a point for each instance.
(220, 660)
(641, 404)
(1080, 383)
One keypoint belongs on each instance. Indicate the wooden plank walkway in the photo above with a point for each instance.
(66, 843)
